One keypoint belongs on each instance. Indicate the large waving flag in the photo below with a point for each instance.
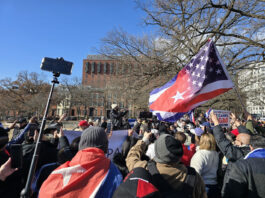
(202, 79)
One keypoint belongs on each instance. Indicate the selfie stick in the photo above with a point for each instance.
(26, 192)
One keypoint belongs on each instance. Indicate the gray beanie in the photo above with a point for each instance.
(94, 137)
(167, 149)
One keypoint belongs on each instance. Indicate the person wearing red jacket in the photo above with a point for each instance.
(187, 153)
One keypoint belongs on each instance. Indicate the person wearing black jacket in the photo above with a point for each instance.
(230, 151)
(116, 117)
(22, 123)
(245, 178)
(66, 153)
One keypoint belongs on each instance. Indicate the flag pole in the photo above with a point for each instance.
(240, 100)
(239, 97)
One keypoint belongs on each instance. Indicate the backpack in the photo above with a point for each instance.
(186, 189)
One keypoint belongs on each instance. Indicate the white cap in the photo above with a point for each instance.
(113, 106)
(154, 131)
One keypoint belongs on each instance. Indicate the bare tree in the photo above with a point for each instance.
(183, 27)
(25, 95)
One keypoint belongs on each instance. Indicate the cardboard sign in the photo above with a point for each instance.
(115, 142)
(223, 118)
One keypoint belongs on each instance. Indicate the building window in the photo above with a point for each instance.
(93, 67)
(101, 102)
(124, 69)
(99, 69)
(72, 112)
(105, 68)
(101, 112)
(111, 68)
(87, 67)
(117, 69)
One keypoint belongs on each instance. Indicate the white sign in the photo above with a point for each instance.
(223, 118)
(115, 142)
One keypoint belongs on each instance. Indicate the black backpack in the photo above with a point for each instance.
(184, 191)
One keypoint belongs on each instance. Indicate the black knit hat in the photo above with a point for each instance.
(94, 137)
(167, 149)
(138, 183)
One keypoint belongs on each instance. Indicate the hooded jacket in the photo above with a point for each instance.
(174, 173)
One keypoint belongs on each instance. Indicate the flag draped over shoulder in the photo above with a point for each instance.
(88, 174)
(202, 79)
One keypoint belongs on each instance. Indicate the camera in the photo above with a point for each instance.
(145, 115)
(58, 65)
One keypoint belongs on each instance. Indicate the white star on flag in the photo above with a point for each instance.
(67, 173)
(178, 96)
(218, 71)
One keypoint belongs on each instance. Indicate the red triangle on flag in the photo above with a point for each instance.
(145, 188)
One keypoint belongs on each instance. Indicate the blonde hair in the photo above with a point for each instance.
(207, 142)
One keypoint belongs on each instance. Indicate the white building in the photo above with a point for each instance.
(252, 82)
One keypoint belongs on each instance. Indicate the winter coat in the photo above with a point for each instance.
(136, 127)
(231, 152)
(187, 154)
(249, 126)
(17, 130)
(116, 119)
(48, 154)
(245, 178)
(20, 137)
(129, 142)
(205, 163)
(174, 173)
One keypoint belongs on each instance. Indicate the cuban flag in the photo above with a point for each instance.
(191, 115)
(207, 114)
(88, 174)
(202, 79)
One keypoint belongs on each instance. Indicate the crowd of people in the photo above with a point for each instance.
(158, 159)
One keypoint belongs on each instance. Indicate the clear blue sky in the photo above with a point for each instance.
(33, 29)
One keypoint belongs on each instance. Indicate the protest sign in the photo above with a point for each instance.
(115, 142)
(223, 118)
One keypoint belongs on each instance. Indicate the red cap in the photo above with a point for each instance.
(83, 123)
(235, 132)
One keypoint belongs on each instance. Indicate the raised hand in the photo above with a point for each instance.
(214, 118)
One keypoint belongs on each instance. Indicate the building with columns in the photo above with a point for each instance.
(252, 82)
